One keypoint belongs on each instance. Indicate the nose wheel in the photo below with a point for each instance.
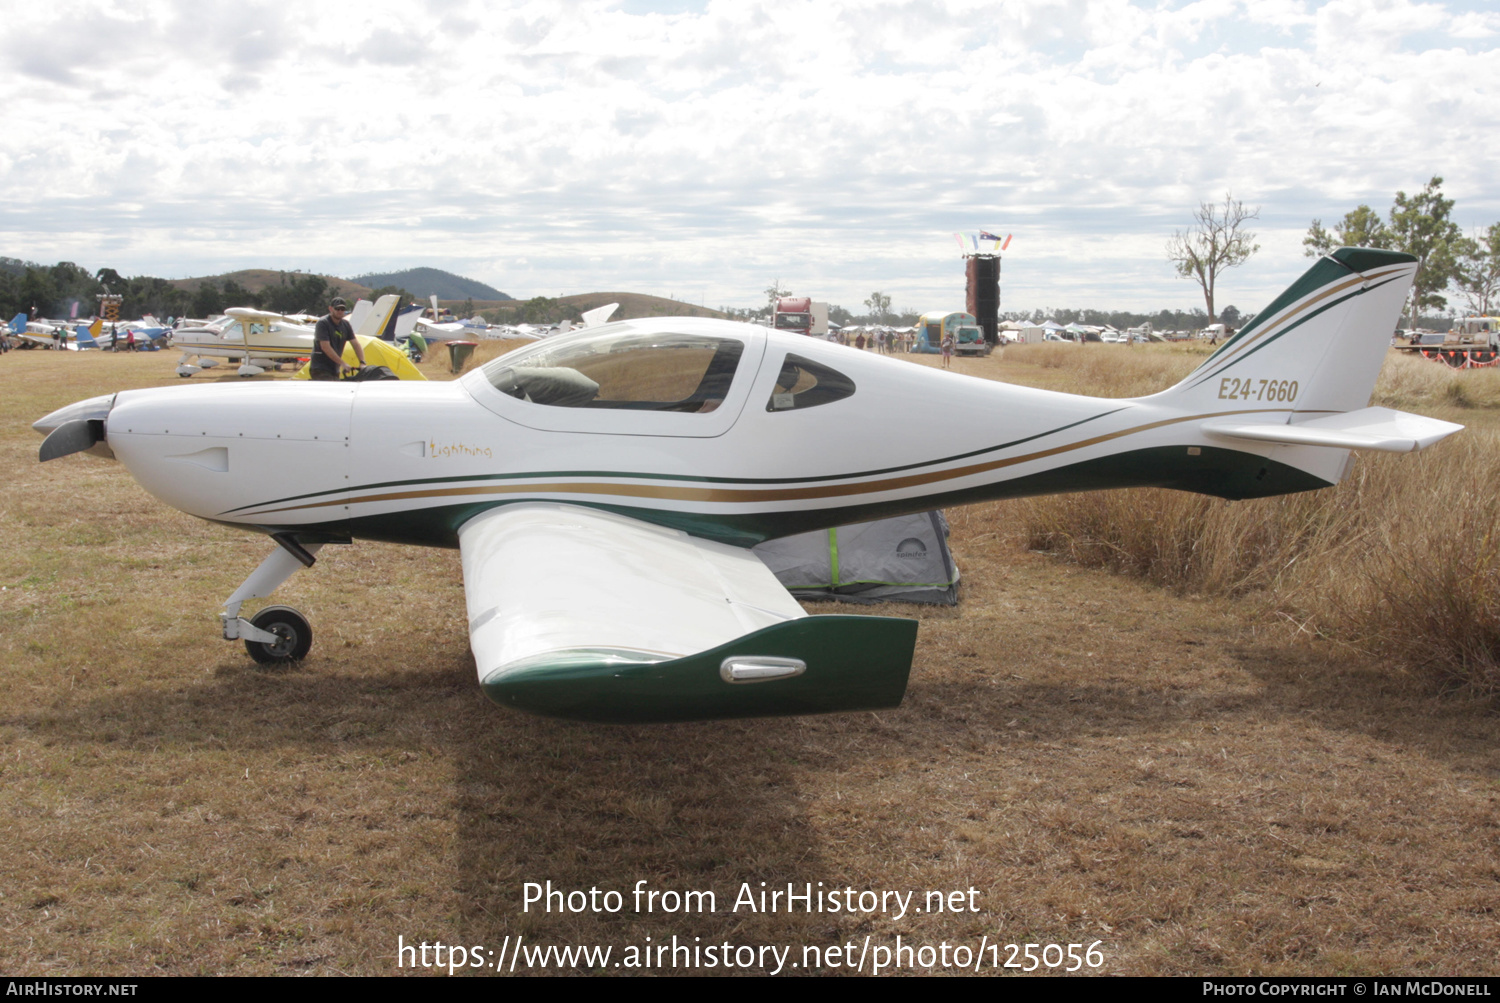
(277, 634)
(293, 636)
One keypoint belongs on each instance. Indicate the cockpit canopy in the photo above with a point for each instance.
(679, 376)
(624, 369)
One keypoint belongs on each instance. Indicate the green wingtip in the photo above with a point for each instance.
(853, 663)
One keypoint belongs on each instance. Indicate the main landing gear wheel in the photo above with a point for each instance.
(293, 633)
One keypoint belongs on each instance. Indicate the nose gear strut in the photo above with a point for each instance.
(276, 633)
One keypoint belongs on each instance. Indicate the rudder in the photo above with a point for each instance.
(1317, 348)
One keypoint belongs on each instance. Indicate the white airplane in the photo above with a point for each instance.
(435, 330)
(399, 323)
(77, 336)
(603, 486)
(41, 332)
(260, 340)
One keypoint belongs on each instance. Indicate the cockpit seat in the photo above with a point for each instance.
(558, 386)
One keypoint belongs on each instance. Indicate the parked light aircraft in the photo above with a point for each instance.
(399, 323)
(435, 330)
(43, 332)
(84, 335)
(260, 340)
(603, 486)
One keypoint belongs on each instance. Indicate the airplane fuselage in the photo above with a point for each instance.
(286, 344)
(411, 462)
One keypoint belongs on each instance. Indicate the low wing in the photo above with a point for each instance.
(581, 613)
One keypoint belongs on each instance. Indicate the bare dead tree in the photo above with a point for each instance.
(1214, 243)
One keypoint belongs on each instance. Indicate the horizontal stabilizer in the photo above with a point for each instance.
(1368, 428)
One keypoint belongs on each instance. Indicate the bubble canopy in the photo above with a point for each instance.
(621, 367)
(673, 376)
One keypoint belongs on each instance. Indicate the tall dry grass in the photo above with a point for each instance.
(1114, 370)
(1411, 382)
(1401, 559)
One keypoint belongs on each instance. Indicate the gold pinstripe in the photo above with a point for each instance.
(1306, 304)
(742, 495)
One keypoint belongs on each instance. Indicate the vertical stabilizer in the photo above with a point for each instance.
(1317, 349)
(380, 322)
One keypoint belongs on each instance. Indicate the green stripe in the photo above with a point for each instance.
(833, 554)
(1217, 471)
(870, 581)
(1289, 328)
(1323, 272)
(1206, 376)
(689, 478)
(1331, 268)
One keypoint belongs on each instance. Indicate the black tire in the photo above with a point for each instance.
(287, 624)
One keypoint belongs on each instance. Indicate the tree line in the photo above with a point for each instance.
(1422, 225)
(878, 310)
(66, 289)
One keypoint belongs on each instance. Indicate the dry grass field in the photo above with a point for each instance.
(1185, 773)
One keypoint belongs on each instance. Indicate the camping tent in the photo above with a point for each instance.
(904, 559)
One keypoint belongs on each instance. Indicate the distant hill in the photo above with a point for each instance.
(496, 305)
(632, 306)
(257, 279)
(425, 282)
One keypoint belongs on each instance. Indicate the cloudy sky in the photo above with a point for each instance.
(705, 149)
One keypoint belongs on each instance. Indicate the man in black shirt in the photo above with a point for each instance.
(329, 338)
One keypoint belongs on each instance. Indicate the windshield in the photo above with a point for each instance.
(626, 370)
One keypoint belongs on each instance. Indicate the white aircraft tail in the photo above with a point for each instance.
(362, 308)
(1301, 373)
(406, 321)
(380, 322)
(599, 315)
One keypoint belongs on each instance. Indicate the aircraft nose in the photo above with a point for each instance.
(93, 409)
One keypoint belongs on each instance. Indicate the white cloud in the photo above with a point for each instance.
(707, 149)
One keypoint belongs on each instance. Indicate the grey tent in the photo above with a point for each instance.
(905, 559)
